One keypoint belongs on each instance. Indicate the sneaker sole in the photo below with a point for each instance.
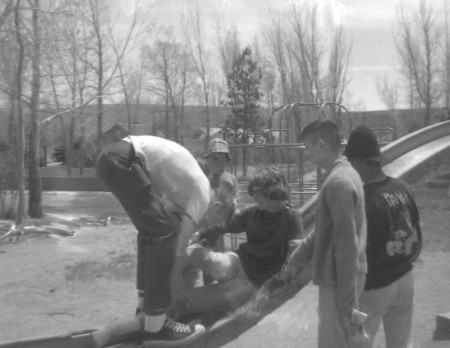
(176, 343)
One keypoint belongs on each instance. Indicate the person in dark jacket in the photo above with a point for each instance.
(394, 242)
(270, 225)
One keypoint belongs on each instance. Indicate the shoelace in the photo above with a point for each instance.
(178, 327)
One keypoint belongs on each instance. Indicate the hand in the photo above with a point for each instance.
(288, 273)
(195, 238)
(259, 302)
(354, 327)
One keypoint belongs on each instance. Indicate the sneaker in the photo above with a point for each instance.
(172, 334)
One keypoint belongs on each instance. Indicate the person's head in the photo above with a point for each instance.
(217, 155)
(363, 152)
(269, 189)
(322, 141)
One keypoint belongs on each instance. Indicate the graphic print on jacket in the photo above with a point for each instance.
(403, 234)
(394, 240)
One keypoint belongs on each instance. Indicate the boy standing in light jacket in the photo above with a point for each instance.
(337, 246)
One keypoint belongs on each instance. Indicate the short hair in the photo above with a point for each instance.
(272, 183)
(327, 130)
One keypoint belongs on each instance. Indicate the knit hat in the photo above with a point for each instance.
(363, 144)
(217, 145)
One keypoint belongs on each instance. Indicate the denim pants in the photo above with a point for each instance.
(230, 290)
(393, 305)
(157, 229)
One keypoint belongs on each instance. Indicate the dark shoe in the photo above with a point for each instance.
(172, 334)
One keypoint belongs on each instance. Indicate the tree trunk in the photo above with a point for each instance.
(35, 188)
(207, 135)
(166, 115)
(99, 87)
(82, 150)
(20, 214)
(69, 146)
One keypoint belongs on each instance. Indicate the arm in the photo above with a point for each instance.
(235, 225)
(295, 225)
(342, 200)
(290, 271)
(299, 258)
(303, 253)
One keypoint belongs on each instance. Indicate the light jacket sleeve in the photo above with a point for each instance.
(342, 202)
(303, 253)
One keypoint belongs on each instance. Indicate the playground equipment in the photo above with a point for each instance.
(280, 147)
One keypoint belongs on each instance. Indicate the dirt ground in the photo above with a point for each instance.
(51, 286)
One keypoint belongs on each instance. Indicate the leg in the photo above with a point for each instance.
(217, 265)
(192, 276)
(160, 239)
(331, 333)
(157, 233)
(398, 319)
(227, 293)
(375, 304)
(114, 169)
(223, 295)
(140, 284)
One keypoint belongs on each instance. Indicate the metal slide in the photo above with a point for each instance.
(411, 155)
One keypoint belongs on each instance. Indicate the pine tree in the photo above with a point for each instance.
(244, 82)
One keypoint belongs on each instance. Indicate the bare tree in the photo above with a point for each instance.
(130, 75)
(8, 52)
(227, 44)
(8, 9)
(307, 49)
(417, 42)
(94, 20)
(388, 93)
(194, 36)
(297, 48)
(82, 69)
(337, 68)
(336, 78)
(275, 35)
(69, 63)
(169, 66)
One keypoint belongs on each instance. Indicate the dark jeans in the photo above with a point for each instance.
(122, 172)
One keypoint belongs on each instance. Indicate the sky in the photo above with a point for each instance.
(367, 23)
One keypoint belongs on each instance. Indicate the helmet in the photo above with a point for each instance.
(217, 145)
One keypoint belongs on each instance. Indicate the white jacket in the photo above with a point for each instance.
(174, 173)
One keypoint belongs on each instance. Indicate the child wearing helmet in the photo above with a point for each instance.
(223, 183)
